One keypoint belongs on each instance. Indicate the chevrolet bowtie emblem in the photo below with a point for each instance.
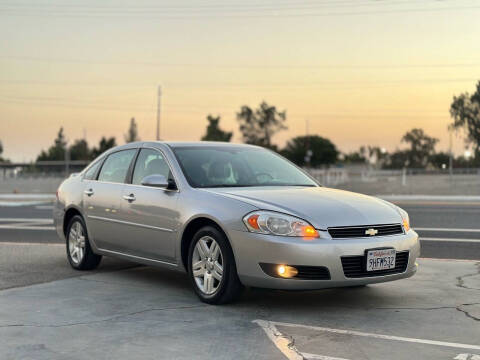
(371, 232)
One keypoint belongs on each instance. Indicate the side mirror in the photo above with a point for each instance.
(155, 180)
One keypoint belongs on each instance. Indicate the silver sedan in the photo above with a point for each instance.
(230, 216)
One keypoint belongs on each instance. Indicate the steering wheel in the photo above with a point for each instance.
(269, 177)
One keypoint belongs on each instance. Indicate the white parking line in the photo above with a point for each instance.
(19, 227)
(44, 207)
(39, 220)
(454, 260)
(27, 196)
(320, 357)
(22, 203)
(283, 343)
(467, 357)
(286, 345)
(449, 239)
(26, 224)
(448, 229)
(10, 243)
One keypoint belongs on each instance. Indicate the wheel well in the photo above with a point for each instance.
(190, 231)
(68, 216)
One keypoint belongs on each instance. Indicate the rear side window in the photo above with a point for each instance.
(92, 171)
(149, 162)
(116, 166)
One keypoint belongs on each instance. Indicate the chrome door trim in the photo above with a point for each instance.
(129, 223)
(137, 257)
(170, 167)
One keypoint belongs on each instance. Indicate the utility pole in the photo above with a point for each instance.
(450, 159)
(158, 111)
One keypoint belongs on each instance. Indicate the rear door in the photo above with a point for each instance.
(102, 198)
(149, 215)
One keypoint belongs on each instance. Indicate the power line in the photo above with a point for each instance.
(191, 108)
(232, 111)
(209, 6)
(274, 15)
(201, 8)
(246, 66)
(255, 84)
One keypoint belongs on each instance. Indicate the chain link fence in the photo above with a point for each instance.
(45, 177)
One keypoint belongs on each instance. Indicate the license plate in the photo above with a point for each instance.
(380, 259)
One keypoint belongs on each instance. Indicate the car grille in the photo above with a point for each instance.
(304, 272)
(312, 273)
(355, 267)
(361, 231)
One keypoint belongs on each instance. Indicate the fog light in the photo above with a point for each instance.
(286, 271)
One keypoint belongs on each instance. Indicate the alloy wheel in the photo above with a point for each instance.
(207, 265)
(76, 243)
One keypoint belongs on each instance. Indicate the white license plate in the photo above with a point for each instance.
(381, 259)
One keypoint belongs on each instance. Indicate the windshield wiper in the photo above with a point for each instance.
(255, 185)
(227, 185)
(275, 184)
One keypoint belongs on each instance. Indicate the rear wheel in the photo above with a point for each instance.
(211, 267)
(79, 253)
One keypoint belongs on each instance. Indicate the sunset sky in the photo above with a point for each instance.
(362, 72)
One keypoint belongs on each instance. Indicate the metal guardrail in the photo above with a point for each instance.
(41, 168)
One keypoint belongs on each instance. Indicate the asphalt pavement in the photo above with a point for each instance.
(448, 230)
(126, 311)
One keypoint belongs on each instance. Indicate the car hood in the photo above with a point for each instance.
(322, 207)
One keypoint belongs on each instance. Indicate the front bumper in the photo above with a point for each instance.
(252, 249)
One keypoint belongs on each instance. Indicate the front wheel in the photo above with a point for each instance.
(211, 267)
(79, 253)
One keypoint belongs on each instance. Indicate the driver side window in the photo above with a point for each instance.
(149, 162)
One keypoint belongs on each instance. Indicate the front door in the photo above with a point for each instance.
(149, 215)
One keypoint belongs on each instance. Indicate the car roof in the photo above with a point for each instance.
(181, 144)
(175, 144)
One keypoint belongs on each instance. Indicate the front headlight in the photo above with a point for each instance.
(405, 219)
(273, 223)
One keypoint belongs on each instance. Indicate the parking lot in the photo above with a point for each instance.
(48, 311)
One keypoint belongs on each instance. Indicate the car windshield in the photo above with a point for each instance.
(213, 166)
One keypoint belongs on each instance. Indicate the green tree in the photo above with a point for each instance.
(439, 160)
(374, 154)
(103, 145)
(397, 160)
(56, 152)
(1, 152)
(422, 147)
(322, 151)
(214, 133)
(258, 126)
(354, 157)
(80, 150)
(465, 111)
(132, 134)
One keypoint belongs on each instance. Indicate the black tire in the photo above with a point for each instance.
(90, 260)
(230, 287)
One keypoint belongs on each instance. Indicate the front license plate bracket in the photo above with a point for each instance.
(379, 259)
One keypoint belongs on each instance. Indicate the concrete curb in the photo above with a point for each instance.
(27, 196)
(452, 198)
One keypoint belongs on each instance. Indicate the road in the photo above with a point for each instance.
(436, 222)
(126, 311)
(447, 230)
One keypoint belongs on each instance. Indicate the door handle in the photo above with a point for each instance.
(88, 192)
(129, 198)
